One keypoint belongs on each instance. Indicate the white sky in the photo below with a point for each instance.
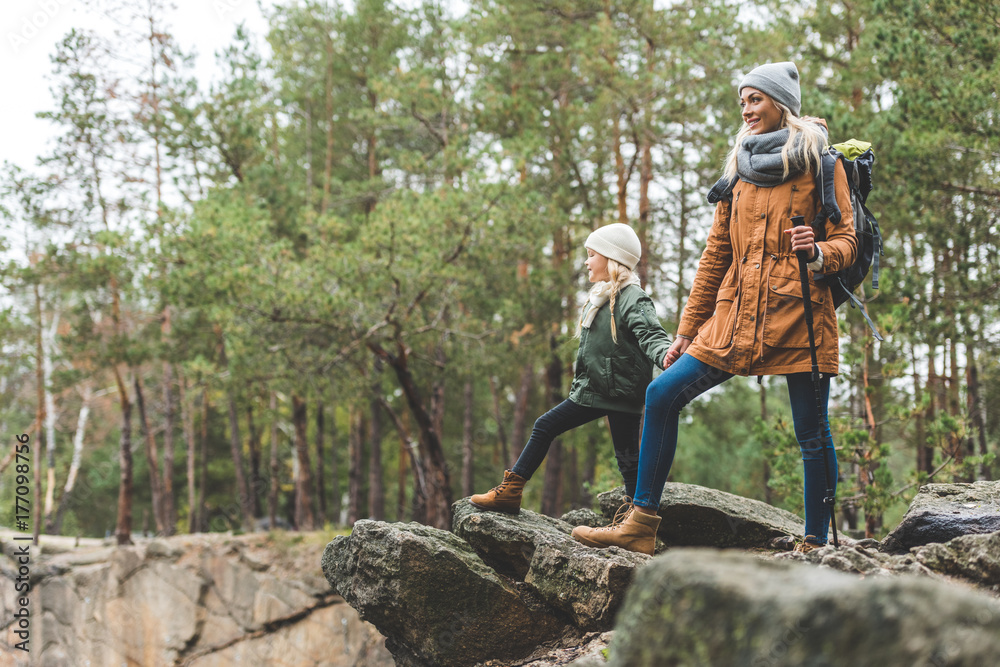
(30, 31)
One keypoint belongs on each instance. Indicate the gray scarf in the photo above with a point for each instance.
(758, 161)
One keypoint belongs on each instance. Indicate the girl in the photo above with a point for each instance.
(744, 315)
(620, 340)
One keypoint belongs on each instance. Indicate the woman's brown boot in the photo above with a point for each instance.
(506, 497)
(636, 532)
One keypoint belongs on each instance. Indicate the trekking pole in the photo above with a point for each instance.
(830, 499)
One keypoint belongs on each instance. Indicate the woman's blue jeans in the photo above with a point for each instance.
(567, 415)
(688, 378)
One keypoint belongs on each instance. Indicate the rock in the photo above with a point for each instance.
(857, 559)
(588, 584)
(506, 542)
(942, 512)
(584, 517)
(197, 600)
(696, 606)
(697, 516)
(974, 557)
(433, 597)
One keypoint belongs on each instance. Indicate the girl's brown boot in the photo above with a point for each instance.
(506, 497)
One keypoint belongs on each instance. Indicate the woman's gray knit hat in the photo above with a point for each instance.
(780, 81)
(616, 241)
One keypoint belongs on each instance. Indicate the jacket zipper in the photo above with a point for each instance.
(791, 199)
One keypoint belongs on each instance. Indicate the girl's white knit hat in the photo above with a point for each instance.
(616, 241)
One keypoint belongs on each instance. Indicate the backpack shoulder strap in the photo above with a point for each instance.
(722, 190)
(825, 184)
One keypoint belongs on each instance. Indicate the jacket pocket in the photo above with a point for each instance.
(785, 319)
(718, 331)
(623, 374)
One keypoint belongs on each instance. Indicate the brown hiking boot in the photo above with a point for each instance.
(506, 497)
(805, 546)
(633, 530)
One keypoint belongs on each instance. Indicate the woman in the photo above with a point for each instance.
(744, 315)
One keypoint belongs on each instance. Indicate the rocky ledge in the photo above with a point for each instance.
(502, 590)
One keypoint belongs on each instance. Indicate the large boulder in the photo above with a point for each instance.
(698, 516)
(506, 542)
(974, 557)
(696, 606)
(434, 598)
(587, 584)
(942, 512)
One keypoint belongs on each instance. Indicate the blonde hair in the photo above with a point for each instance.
(620, 276)
(812, 141)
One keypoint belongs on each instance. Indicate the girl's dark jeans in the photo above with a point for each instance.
(568, 415)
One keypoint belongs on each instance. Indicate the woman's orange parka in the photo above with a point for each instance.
(745, 310)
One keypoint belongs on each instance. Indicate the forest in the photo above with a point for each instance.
(342, 280)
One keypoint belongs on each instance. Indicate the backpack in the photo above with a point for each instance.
(858, 159)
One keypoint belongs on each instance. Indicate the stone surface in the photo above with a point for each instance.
(584, 517)
(194, 599)
(698, 606)
(858, 559)
(698, 516)
(942, 512)
(506, 542)
(973, 557)
(588, 584)
(434, 598)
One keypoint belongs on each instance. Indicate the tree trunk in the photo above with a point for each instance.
(203, 471)
(255, 479)
(768, 493)
(645, 174)
(376, 491)
(519, 431)
(152, 457)
(468, 434)
(304, 517)
(37, 518)
(74, 466)
(439, 496)
(975, 408)
(169, 501)
(504, 454)
(123, 524)
(235, 446)
(48, 343)
(320, 476)
(356, 440)
(408, 450)
(586, 497)
(927, 455)
(622, 176)
(871, 462)
(187, 419)
(272, 495)
(336, 506)
(552, 488)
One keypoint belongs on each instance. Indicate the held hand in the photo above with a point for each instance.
(803, 238)
(677, 348)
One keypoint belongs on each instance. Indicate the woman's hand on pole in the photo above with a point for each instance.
(677, 348)
(803, 238)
